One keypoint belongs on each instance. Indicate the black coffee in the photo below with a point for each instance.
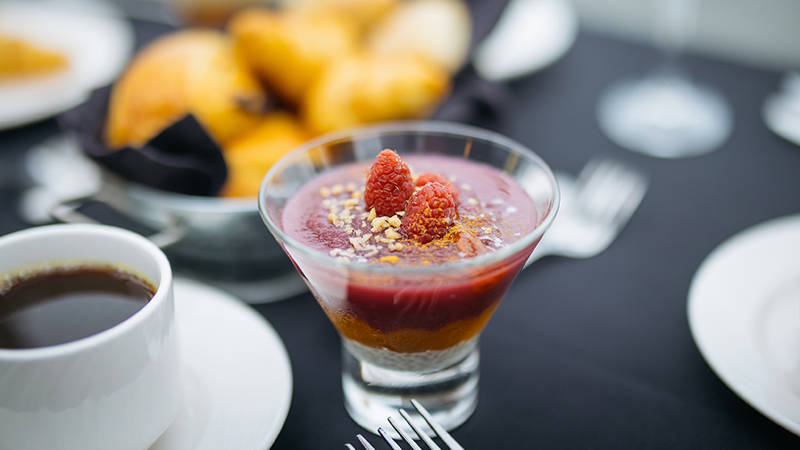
(64, 304)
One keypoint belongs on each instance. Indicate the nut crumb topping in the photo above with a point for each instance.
(392, 233)
(366, 236)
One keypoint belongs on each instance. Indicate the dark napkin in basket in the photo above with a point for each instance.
(182, 158)
(475, 100)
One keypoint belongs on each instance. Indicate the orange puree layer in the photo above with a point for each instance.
(410, 340)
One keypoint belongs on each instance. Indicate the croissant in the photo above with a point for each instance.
(192, 71)
(250, 156)
(289, 50)
(371, 88)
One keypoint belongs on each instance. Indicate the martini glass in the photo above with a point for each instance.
(665, 114)
(429, 317)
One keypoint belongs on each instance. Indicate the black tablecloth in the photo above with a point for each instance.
(590, 353)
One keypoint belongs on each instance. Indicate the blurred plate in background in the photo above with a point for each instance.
(94, 38)
(530, 35)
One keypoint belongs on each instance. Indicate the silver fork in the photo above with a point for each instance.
(448, 440)
(594, 209)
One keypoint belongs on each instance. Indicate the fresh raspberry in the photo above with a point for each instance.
(431, 211)
(389, 184)
(426, 178)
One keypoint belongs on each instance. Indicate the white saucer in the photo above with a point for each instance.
(237, 372)
(744, 313)
(96, 40)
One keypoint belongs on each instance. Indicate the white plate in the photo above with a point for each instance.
(529, 36)
(237, 372)
(97, 42)
(744, 313)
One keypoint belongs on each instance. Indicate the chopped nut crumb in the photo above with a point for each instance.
(372, 215)
(390, 258)
(333, 218)
(350, 187)
(391, 233)
(343, 259)
(324, 192)
(472, 201)
(357, 243)
(379, 224)
(337, 189)
(356, 195)
(350, 203)
(400, 213)
(396, 246)
(395, 221)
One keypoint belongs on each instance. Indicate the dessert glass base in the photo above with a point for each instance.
(372, 392)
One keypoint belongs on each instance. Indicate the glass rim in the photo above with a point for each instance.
(411, 127)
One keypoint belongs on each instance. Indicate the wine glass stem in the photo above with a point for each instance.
(674, 26)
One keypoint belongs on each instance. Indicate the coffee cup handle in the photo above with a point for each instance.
(67, 211)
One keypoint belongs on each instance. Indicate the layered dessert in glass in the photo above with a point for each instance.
(409, 235)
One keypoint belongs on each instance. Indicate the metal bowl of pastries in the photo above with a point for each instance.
(269, 81)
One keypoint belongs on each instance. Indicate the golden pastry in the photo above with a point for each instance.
(365, 12)
(19, 58)
(289, 50)
(192, 71)
(373, 88)
(251, 155)
(439, 30)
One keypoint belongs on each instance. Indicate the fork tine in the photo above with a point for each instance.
(421, 434)
(611, 190)
(618, 199)
(438, 429)
(630, 191)
(403, 435)
(592, 185)
(388, 438)
(633, 198)
(349, 447)
(365, 442)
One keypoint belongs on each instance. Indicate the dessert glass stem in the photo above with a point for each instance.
(372, 393)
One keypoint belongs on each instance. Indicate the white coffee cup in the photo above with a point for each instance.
(118, 389)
